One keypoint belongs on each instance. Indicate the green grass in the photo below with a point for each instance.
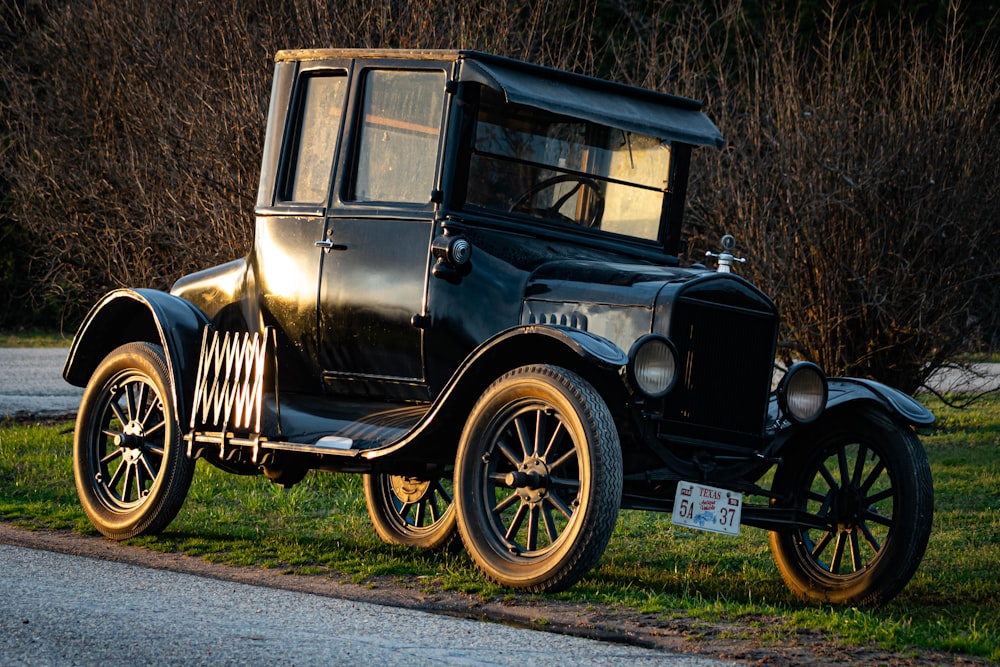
(979, 358)
(320, 527)
(34, 338)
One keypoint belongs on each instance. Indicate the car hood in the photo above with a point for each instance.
(590, 281)
(614, 300)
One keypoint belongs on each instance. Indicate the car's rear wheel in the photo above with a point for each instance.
(865, 484)
(538, 479)
(411, 511)
(132, 473)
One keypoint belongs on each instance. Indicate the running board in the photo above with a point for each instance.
(330, 445)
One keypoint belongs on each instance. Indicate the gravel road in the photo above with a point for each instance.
(63, 609)
(31, 383)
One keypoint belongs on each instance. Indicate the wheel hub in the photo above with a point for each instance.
(409, 489)
(846, 507)
(531, 479)
(131, 440)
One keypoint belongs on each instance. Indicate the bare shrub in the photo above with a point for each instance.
(859, 179)
(133, 130)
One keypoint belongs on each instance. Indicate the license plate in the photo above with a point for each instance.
(707, 508)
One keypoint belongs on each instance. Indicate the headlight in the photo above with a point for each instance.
(802, 392)
(652, 365)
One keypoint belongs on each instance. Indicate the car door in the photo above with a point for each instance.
(377, 235)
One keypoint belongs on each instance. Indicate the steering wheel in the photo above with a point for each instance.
(552, 212)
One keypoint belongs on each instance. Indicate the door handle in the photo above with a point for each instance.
(327, 245)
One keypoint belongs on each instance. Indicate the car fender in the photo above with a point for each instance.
(588, 346)
(853, 394)
(593, 357)
(587, 353)
(844, 391)
(141, 315)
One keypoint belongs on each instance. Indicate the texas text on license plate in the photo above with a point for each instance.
(707, 508)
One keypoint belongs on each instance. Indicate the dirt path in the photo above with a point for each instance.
(745, 642)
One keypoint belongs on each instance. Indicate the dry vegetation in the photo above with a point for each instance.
(860, 177)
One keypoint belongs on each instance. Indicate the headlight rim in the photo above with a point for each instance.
(785, 384)
(637, 347)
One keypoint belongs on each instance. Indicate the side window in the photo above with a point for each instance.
(320, 109)
(398, 136)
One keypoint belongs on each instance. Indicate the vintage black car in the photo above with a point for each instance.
(466, 285)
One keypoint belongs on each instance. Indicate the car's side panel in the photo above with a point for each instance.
(304, 127)
(514, 278)
(286, 265)
(463, 313)
(213, 290)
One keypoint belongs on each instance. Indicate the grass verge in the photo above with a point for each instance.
(34, 338)
(320, 527)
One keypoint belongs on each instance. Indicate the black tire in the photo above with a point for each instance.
(868, 481)
(538, 479)
(412, 512)
(132, 473)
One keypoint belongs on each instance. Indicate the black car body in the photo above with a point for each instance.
(465, 283)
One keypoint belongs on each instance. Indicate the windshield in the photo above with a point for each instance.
(567, 170)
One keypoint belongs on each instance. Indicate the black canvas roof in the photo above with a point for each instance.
(597, 100)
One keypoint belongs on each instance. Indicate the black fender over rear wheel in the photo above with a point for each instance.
(132, 473)
(538, 479)
(867, 481)
(411, 511)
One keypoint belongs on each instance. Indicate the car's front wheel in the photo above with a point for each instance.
(538, 479)
(132, 473)
(863, 486)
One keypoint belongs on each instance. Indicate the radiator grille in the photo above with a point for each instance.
(726, 356)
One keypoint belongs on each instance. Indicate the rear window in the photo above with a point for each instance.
(320, 109)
